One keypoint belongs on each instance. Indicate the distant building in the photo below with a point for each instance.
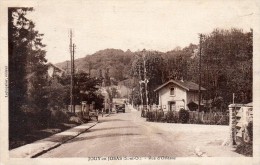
(176, 94)
(53, 71)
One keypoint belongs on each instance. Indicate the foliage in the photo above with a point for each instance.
(183, 116)
(171, 117)
(112, 93)
(152, 62)
(159, 115)
(181, 64)
(226, 67)
(219, 103)
(86, 89)
(117, 61)
(245, 149)
(250, 130)
(107, 81)
(59, 116)
(27, 69)
(135, 96)
(227, 64)
(56, 95)
(155, 116)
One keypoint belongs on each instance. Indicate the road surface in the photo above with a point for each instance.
(127, 134)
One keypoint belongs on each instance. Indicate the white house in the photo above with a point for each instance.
(53, 70)
(176, 94)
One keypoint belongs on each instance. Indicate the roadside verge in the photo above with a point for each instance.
(41, 146)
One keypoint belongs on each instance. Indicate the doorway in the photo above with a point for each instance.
(172, 105)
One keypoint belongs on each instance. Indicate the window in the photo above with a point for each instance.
(172, 91)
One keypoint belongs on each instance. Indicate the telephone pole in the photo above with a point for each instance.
(72, 49)
(67, 69)
(140, 82)
(200, 35)
(145, 81)
(73, 73)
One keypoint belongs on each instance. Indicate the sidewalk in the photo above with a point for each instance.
(41, 146)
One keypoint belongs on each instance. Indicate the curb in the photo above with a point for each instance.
(108, 114)
(42, 146)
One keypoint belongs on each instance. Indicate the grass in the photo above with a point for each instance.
(245, 149)
(38, 134)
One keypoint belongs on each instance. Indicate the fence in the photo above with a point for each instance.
(213, 118)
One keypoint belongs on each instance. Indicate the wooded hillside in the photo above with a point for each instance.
(226, 66)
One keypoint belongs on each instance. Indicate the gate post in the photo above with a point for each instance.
(232, 124)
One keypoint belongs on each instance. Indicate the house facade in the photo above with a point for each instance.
(176, 94)
(53, 71)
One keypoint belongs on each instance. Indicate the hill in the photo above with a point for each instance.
(117, 61)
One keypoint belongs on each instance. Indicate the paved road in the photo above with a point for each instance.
(127, 134)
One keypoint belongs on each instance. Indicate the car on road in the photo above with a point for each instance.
(93, 114)
(120, 108)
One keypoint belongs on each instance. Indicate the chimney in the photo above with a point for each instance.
(182, 79)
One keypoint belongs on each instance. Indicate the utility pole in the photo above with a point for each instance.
(72, 74)
(140, 82)
(200, 35)
(67, 69)
(145, 81)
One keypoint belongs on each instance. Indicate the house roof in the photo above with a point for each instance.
(187, 85)
(56, 67)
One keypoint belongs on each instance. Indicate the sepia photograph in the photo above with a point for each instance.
(138, 82)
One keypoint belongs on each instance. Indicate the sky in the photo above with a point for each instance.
(135, 25)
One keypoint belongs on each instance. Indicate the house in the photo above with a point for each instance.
(177, 94)
(53, 71)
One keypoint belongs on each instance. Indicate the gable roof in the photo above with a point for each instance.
(56, 67)
(187, 85)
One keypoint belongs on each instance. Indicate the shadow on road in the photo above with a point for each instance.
(109, 128)
(109, 120)
(101, 136)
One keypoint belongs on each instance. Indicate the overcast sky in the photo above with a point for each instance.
(156, 25)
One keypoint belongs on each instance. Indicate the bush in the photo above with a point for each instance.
(56, 95)
(35, 117)
(183, 116)
(150, 116)
(159, 115)
(245, 149)
(171, 117)
(250, 130)
(59, 116)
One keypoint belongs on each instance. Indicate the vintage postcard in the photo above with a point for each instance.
(130, 82)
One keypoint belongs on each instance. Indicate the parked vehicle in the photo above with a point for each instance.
(120, 108)
(93, 113)
(119, 104)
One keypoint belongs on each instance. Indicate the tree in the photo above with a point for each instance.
(154, 72)
(86, 89)
(27, 69)
(17, 51)
(57, 94)
(227, 64)
(181, 64)
(107, 78)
